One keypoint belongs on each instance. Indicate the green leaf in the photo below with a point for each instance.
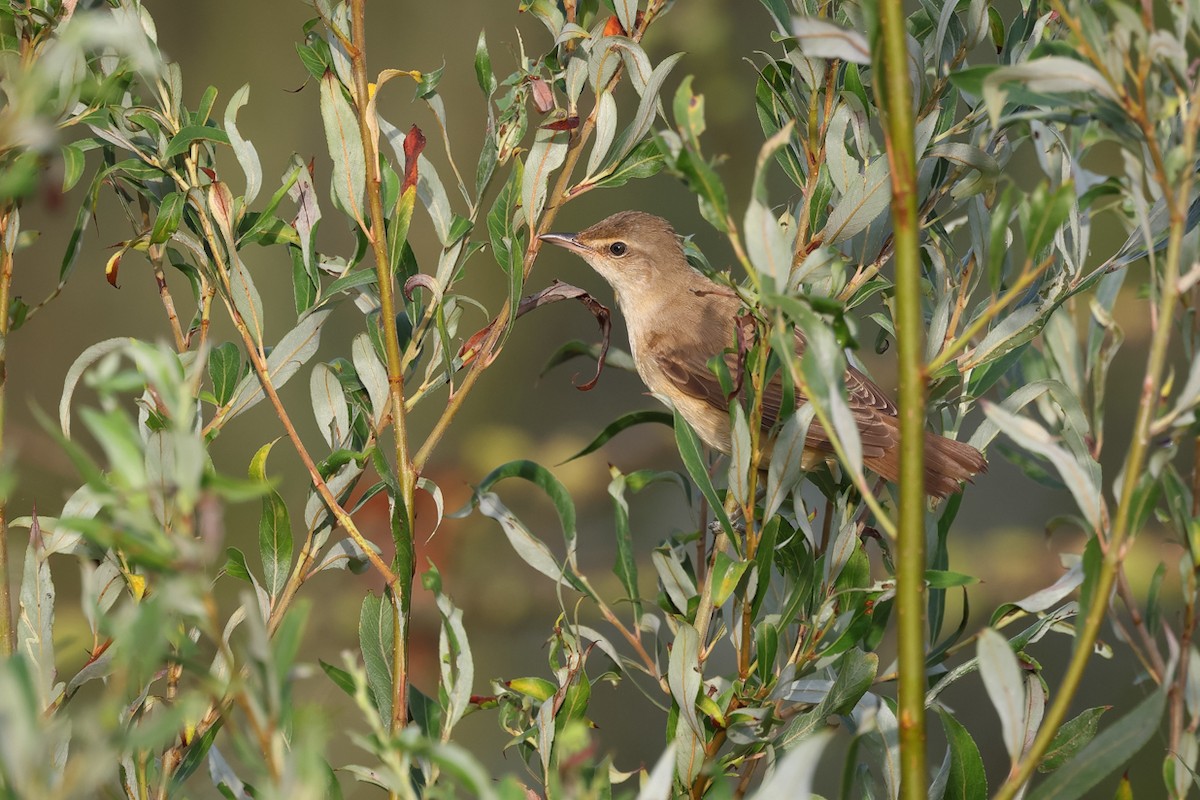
(274, 529)
(88, 357)
(181, 141)
(1108, 752)
(643, 119)
(702, 179)
(341, 679)
(247, 155)
(945, 579)
(967, 779)
(856, 672)
(235, 565)
(644, 161)
(532, 550)
(170, 213)
(1005, 686)
(330, 406)
(246, 298)
(375, 626)
(483, 66)
(73, 164)
(726, 574)
(1072, 737)
(693, 459)
(35, 622)
(689, 112)
(1045, 212)
(541, 477)
(625, 566)
(224, 370)
(345, 148)
(285, 359)
(545, 156)
(620, 424)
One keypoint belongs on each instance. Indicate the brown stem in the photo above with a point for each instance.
(8, 642)
(401, 585)
(164, 294)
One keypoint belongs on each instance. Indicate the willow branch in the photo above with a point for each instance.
(910, 547)
(7, 634)
(401, 586)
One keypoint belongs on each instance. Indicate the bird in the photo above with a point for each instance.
(678, 319)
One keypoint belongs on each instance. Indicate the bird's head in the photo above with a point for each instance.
(632, 250)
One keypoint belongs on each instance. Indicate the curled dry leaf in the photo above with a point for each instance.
(553, 293)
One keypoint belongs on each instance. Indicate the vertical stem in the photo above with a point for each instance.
(7, 634)
(1114, 554)
(401, 589)
(910, 563)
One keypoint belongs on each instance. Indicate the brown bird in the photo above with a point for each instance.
(678, 319)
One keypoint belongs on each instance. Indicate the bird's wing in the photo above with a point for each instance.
(868, 404)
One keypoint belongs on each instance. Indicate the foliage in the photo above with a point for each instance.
(765, 640)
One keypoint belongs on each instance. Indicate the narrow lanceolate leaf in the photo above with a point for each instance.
(787, 459)
(793, 774)
(247, 155)
(643, 119)
(820, 39)
(457, 664)
(532, 550)
(330, 406)
(547, 154)
(606, 129)
(620, 424)
(1049, 75)
(1072, 737)
(966, 779)
(626, 14)
(483, 66)
(88, 357)
(625, 567)
(690, 450)
(274, 529)
(375, 626)
(188, 136)
(224, 370)
(372, 374)
(1033, 437)
(1107, 752)
(1002, 678)
(170, 214)
(286, 358)
(345, 148)
(683, 676)
(739, 455)
(35, 627)
(246, 298)
(661, 779)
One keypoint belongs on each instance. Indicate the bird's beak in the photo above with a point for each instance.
(568, 240)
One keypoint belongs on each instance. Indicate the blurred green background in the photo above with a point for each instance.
(514, 412)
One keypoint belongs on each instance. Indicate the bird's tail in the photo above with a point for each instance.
(947, 464)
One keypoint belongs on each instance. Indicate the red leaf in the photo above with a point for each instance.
(543, 95)
(414, 143)
(568, 124)
(111, 268)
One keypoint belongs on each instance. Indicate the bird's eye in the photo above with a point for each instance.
(618, 248)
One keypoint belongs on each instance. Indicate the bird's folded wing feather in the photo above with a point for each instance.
(873, 412)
